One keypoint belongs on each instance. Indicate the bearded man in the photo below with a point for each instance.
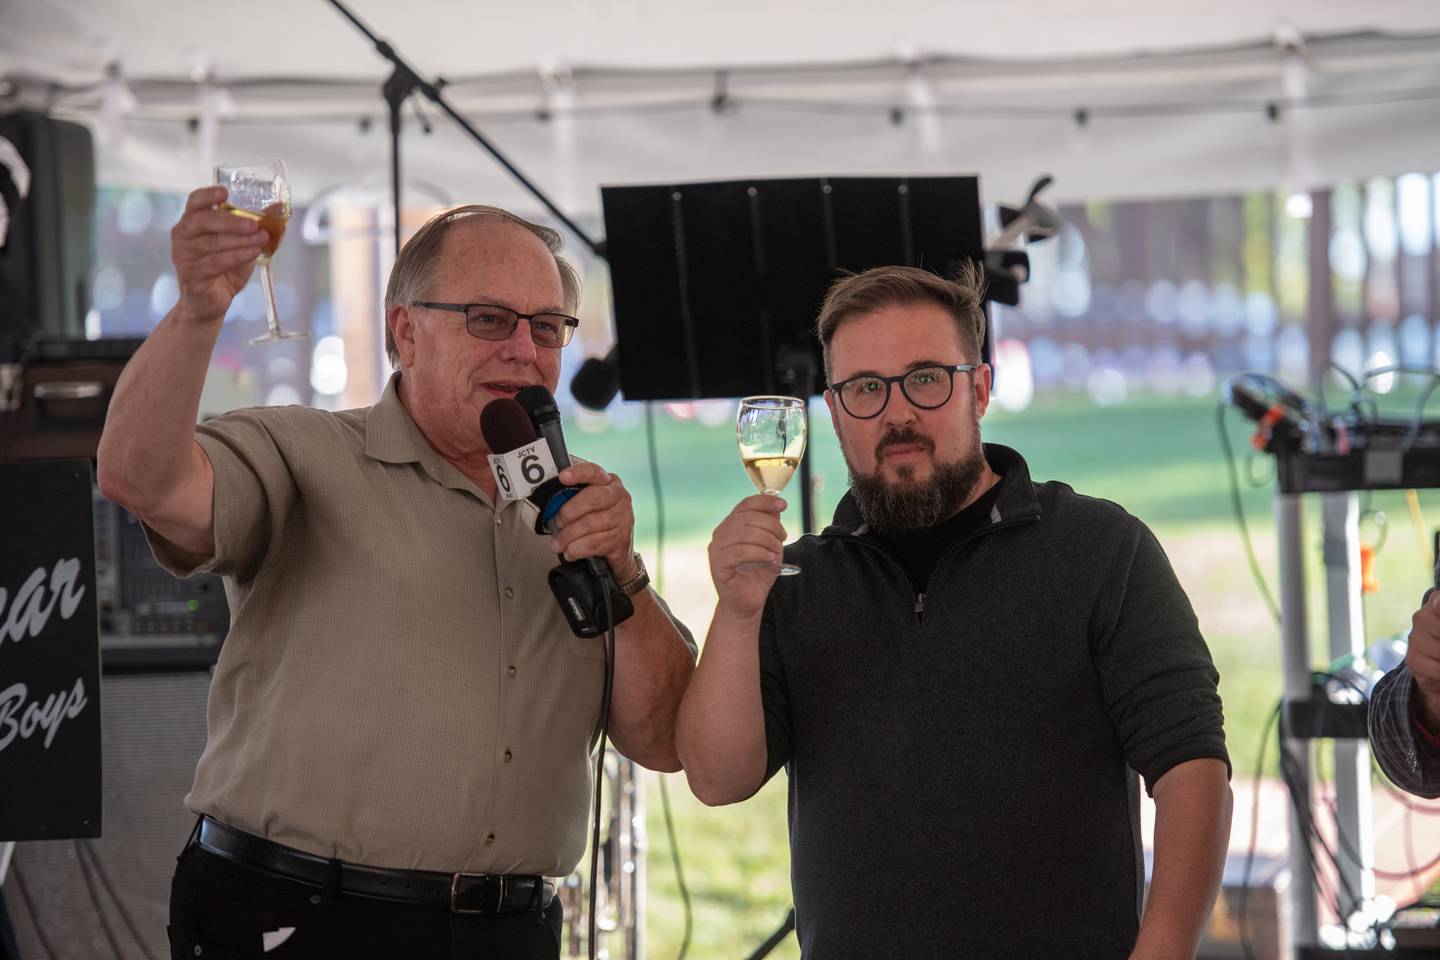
(968, 680)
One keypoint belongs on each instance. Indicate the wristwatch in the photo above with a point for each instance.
(640, 581)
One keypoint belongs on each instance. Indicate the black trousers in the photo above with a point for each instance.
(222, 910)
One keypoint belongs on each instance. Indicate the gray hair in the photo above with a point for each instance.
(414, 268)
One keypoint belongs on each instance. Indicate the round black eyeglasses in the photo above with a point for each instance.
(927, 387)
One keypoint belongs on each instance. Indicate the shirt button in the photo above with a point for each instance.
(509, 592)
(508, 755)
(490, 839)
(499, 521)
(511, 671)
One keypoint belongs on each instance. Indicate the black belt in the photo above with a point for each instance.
(459, 892)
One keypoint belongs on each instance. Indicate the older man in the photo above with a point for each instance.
(963, 678)
(400, 720)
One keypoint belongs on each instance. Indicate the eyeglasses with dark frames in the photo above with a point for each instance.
(489, 321)
(927, 387)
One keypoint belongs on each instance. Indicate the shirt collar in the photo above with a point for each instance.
(391, 436)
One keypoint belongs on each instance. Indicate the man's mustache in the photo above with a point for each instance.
(895, 437)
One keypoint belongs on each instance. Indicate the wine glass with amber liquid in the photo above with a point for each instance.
(771, 434)
(260, 190)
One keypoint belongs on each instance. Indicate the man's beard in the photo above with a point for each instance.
(906, 503)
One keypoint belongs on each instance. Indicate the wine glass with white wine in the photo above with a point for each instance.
(259, 190)
(771, 434)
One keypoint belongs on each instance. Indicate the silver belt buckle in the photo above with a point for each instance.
(500, 891)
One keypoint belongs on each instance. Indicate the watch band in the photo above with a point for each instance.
(640, 581)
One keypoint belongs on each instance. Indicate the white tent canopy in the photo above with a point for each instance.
(1113, 99)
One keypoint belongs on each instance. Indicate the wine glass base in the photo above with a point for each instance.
(788, 569)
(274, 335)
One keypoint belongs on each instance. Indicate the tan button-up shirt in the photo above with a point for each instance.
(398, 687)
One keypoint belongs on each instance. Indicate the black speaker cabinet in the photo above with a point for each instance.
(49, 254)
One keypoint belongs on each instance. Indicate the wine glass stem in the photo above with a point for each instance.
(272, 315)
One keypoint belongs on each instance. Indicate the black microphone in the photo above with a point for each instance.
(544, 415)
(539, 404)
(507, 427)
(580, 586)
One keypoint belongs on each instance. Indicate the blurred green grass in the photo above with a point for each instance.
(1159, 457)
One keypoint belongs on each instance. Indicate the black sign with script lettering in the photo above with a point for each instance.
(49, 654)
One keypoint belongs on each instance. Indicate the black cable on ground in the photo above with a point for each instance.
(95, 899)
(88, 847)
(30, 909)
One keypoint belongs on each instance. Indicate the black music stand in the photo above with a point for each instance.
(717, 285)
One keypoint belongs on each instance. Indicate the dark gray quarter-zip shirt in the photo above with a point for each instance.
(963, 760)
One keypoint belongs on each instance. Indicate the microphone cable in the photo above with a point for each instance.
(675, 857)
(522, 412)
(654, 458)
(600, 767)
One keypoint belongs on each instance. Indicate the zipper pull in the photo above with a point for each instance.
(919, 608)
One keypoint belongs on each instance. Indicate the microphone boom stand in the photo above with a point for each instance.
(402, 82)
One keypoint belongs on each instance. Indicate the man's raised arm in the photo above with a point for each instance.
(148, 460)
(720, 732)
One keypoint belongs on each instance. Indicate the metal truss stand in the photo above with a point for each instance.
(1307, 715)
